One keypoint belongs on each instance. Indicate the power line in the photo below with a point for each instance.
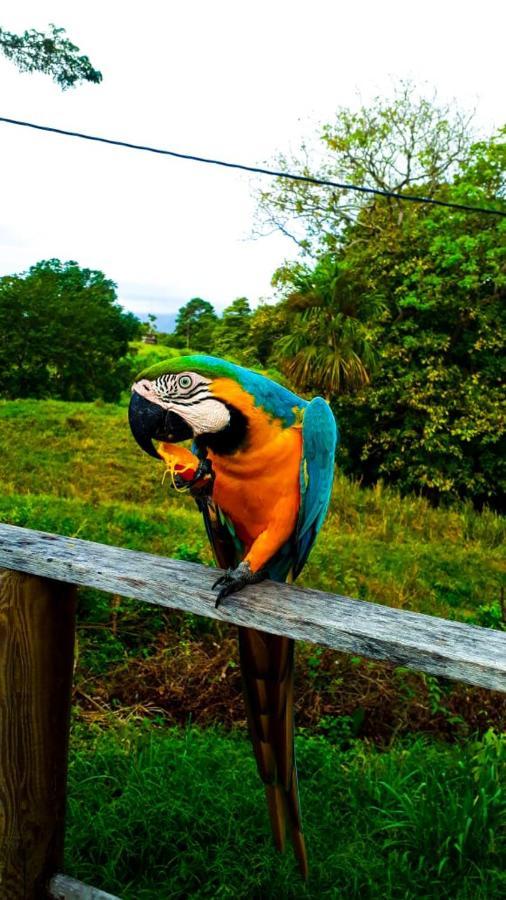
(309, 179)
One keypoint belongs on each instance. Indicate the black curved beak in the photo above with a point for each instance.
(149, 422)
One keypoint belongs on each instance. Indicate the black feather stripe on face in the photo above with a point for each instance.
(199, 389)
(169, 387)
(180, 401)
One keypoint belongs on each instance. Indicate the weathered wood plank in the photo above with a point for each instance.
(62, 887)
(426, 643)
(36, 659)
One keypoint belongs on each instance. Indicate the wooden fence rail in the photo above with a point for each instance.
(61, 887)
(427, 643)
(36, 645)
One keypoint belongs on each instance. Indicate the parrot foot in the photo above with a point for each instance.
(235, 579)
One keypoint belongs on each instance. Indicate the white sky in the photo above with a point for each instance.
(236, 80)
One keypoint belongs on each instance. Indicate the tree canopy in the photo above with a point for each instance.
(433, 417)
(50, 53)
(397, 143)
(64, 334)
(195, 323)
(231, 336)
(415, 295)
(326, 346)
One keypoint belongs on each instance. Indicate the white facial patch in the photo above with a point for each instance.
(206, 417)
(188, 395)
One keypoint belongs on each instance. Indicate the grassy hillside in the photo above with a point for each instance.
(74, 468)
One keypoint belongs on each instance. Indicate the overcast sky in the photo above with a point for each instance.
(236, 80)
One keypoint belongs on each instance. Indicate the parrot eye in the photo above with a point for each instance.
(185, 382)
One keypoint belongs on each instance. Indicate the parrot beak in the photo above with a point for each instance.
(149, 422)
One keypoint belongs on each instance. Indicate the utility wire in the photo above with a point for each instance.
(309, 179)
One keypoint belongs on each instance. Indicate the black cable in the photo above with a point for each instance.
(256, 169)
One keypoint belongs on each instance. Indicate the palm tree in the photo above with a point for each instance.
(328, 347)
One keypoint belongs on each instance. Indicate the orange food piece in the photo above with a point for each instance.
(179, 460)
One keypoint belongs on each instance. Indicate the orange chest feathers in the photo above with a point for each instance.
(259, 488)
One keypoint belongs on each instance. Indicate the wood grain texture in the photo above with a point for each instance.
(36, 657)
(62, 887)
(426, 643)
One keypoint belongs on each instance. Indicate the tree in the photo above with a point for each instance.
(149, 327)
(396, 144)
(433, 418)
(429, 285)
(64, 335)
(326, 346)
(268, 324)
(195, 324)
(231, 335)
(50, 53)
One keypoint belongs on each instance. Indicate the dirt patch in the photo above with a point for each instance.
(198, 680)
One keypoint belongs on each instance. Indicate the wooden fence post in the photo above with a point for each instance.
(37, 627)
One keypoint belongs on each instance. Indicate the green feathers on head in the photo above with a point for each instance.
(277, 400)
(209, 366)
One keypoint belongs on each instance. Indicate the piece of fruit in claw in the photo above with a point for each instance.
(179, 460)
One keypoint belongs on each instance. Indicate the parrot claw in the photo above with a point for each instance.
(235, 579)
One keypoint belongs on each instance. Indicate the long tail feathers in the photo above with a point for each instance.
(267, 672)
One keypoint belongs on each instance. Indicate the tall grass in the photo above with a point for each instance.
(173, 813)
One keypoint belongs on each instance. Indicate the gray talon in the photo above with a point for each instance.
(235, 579)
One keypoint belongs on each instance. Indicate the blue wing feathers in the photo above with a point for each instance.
(319, 441)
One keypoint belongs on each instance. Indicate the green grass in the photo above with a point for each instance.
(181, 813)
(74, 468)
(160, 351)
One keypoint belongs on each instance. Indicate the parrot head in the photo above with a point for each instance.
(209, 400)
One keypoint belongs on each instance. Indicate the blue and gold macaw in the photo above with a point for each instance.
(263, 463)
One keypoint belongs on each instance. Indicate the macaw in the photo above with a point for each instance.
(262, 477)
